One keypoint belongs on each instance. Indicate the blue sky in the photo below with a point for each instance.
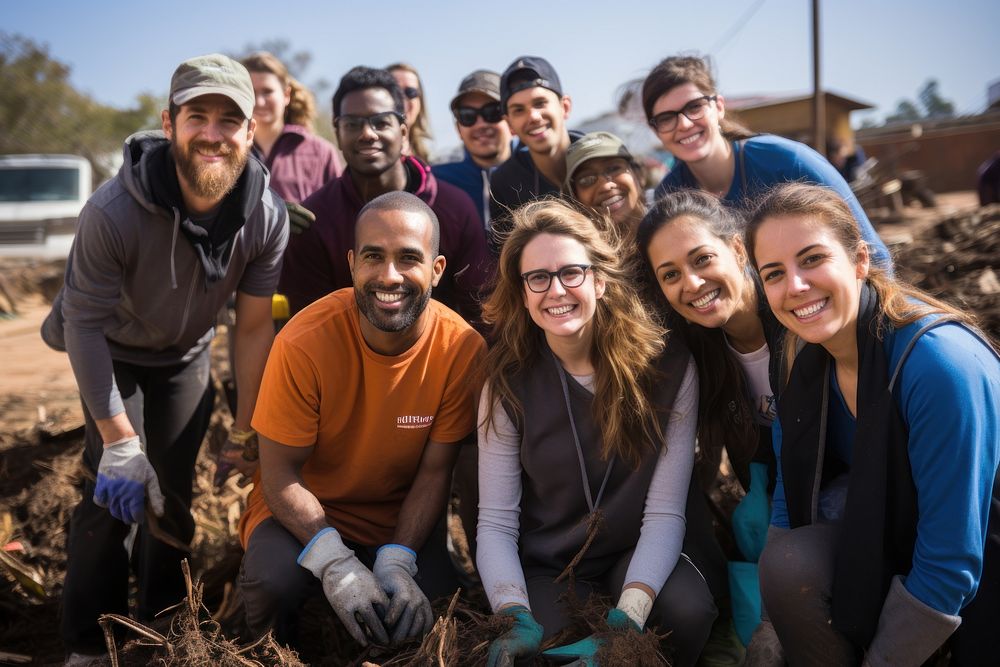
(874, 51)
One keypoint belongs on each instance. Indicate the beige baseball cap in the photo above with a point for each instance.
(213, 74)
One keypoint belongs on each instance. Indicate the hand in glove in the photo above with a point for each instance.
(409, 610)
(521, 641)
(752, 516)
(299, 217)
(584, 652)
(349, 586)
(124, 479)
(764, 649)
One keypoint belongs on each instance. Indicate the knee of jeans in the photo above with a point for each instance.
(274, 588)
(793, 565)
(688, 613)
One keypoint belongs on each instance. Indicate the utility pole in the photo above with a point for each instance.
(819, 103)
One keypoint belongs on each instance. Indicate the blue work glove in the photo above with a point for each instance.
(348, 585)
(124, 479)
(520, 642)
(409, 609)
(753, 515)
(584, 652)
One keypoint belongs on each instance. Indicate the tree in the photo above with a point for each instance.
(906, 111)
(935, 105)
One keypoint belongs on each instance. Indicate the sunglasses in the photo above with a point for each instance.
(411, 92)
(491, 113)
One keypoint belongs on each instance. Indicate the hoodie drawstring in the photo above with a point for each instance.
(173, 245)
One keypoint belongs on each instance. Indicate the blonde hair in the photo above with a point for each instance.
(899, 302)
(419, 133)
(626, 338)
(301, 108)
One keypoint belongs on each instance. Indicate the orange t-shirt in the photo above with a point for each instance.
(368, 415)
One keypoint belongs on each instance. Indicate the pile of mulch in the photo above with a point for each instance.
(958, 259)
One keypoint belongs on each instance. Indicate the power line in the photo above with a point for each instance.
(740, 23)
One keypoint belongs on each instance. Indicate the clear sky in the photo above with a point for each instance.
(875, 51)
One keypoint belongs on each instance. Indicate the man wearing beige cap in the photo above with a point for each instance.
(485, 135)
(187, 221)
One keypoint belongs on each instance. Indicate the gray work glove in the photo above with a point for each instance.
(299, 217)
(908, 630)
(409, 612)
(764, 649)
(124, 479)
(349, 586)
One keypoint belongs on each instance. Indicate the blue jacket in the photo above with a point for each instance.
(472, 179)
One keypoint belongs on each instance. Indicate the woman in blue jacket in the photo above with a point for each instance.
(722, 157)
(885, 519)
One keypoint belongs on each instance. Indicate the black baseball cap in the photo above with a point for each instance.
(528, 72)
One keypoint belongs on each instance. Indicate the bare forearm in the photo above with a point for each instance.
(115, 428)
(295, 508)
(425, 502)
(252, 344)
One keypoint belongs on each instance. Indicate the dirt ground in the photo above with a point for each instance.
(951, 249)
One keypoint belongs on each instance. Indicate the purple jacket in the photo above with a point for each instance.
(315, 262)
(301, 162)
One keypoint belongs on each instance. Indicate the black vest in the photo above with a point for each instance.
(554, 508)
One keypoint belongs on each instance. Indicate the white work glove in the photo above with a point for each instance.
(124, 479)
(348, 585)
(410, 612)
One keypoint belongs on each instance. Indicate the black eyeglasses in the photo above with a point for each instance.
(571, 275)
(380, 122)
(611, 172)
(411, 92)
(491, 113)
(693, 110)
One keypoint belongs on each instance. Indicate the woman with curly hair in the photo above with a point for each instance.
(586, 445)
(299, 161)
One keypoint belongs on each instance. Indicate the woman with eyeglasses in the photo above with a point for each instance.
(299, 161)
(417, 121)
(602, 174)
(586, 446)
(720, 156)
(886, 525)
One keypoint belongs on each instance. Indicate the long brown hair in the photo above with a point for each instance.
(678, 70)
(419, 133)
(626, 338)
(725, 417)
(900, 303)
(301, 108)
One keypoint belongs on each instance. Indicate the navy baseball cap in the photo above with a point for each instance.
(528, 72)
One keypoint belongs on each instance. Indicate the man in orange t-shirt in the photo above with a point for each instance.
(366, 397)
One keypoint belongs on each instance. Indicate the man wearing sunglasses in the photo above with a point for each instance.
(368, 110)
(536, 110)
(485, 135)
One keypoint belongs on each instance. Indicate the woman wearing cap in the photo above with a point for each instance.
(567, 479)
(418, 123)
(602, 174)
(720, 156)
(300, 162)
(887, 506)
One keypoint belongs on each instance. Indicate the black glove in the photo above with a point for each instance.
(299, 217)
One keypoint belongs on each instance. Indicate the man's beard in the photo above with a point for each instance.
(210, 181)
(394, 322)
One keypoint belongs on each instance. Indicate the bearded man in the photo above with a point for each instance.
(159, 249)
(367, 398)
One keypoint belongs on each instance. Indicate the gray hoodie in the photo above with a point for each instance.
(135, 288)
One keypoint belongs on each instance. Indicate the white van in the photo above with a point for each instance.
(40, 199)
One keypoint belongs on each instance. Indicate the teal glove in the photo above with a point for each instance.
(584, 652)
(752, 516)
(521, 641)
(299, 217)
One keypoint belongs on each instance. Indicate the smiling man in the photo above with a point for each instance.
(367, 396)
(536, 110)
(159, 249)
(480, 123)
(372, 132)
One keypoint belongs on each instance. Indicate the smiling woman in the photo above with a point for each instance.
(581, 388)
(891, 404)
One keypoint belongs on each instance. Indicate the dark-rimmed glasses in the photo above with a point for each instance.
(611, 172)
(693, 110)
(491, 113)
(379, 122)
(571, 275)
